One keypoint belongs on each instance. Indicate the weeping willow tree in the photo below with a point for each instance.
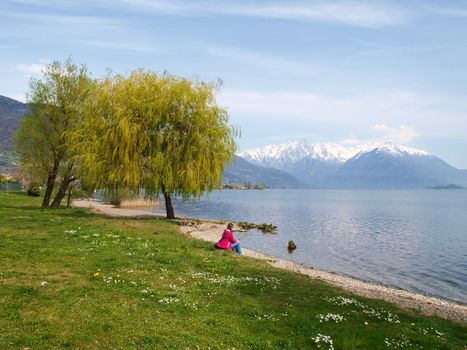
(157, 133)
(42, 141)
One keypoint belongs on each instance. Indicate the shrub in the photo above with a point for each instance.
(34, 190)
(116, 197)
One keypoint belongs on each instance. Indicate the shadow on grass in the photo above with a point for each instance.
(68, 212)
(21, 207)
(82, 212)
(74, 213)
(16, 193)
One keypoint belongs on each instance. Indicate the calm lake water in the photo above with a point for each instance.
(415, 240)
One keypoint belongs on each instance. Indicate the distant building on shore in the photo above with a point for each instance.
(246, 186)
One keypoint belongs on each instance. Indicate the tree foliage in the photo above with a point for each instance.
(157, 133)
(149, 132)
(42, 141)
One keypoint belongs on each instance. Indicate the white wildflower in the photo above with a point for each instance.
(329, 316)
(324, 340)
(169, 300)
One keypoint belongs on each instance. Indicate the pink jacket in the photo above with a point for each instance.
(226, 240)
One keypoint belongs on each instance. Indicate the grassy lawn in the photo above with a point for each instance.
(70, 279)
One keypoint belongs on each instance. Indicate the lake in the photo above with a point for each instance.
(411, 239)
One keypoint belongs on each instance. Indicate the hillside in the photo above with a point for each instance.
(243, 172)
(11, 114)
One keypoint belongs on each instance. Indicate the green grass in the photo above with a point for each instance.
(70, 279)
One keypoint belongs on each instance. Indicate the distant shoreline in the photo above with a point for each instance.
(211, 231)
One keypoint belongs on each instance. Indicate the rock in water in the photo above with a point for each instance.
(291, 246)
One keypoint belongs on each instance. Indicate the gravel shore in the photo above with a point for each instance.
(211, 231)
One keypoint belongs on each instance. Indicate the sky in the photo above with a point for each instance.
(344, 72)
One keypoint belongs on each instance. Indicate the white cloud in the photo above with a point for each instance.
(52, 19)
(345, 12)
(351, 13)
(400, 135)
(30, 69)
(103, 32)
(426, 114)
(352, 140)
(448, 11)
(259, 59)
(348, 12)
(128, 46)
(313, 107)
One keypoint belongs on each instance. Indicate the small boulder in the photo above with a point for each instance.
(291, 246)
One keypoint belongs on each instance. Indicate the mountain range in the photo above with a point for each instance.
(372, 165)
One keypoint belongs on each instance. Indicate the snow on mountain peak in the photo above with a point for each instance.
(286, 152)
(330, 152)
(292, 152)
(402, 150)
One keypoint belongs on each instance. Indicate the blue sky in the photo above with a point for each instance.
(324, 71)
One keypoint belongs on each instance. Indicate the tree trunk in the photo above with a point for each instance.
(63, 186)
(50, 185)
(69, 197)
(48, 191)
(60, 194)
(168, 206)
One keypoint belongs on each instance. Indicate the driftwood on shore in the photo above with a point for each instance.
(266, 228)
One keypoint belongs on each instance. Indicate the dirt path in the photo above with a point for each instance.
(112, 211)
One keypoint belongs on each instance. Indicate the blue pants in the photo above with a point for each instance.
(236, 248)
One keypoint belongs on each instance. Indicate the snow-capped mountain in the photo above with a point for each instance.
(291, 152)
(372, 165)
